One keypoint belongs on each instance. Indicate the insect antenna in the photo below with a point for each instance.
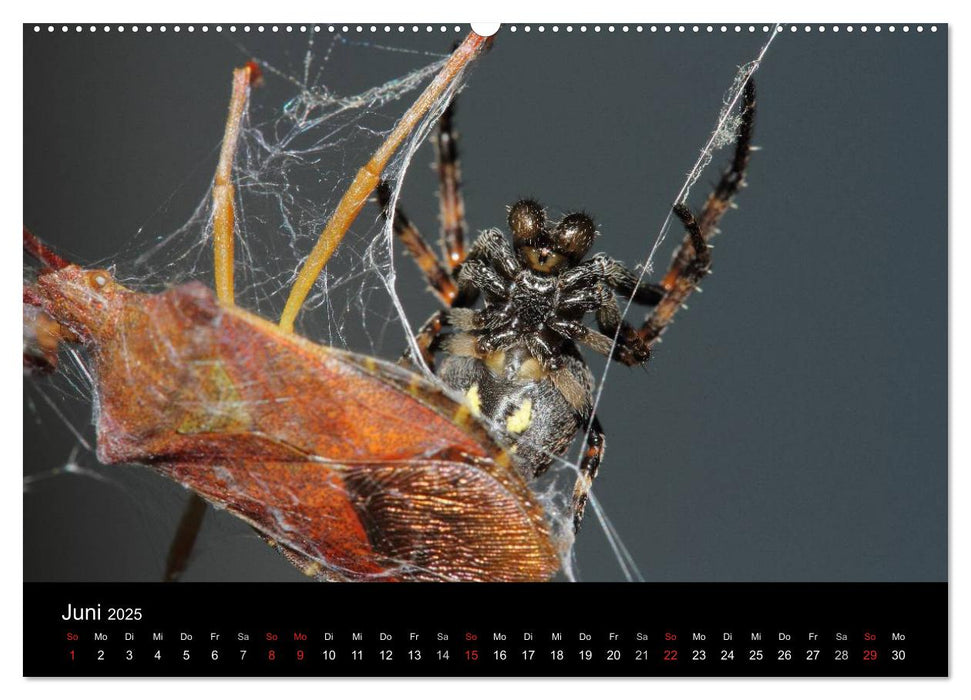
(41, 253)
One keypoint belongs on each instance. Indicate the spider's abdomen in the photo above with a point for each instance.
(520, 403)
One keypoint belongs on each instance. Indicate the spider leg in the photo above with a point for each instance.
(582, 285)
(450, 202)
(734, 178)
(685, 281)
(489, 264)
(492, 247)
(489, 253)
(624, 282)
(630, 348)
(428, 338)
(588, 287)
(589, 465)
(475, 276)
(452, 213)
(692, 260)
(601, 268)
(577, 332)
(224, 231)
(489, 248)
(539, 347)
(438, 278)
(506, 338)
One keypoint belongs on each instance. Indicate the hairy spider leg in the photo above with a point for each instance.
(451, 215)
(692, 261)
(223, 239)
(438, 277)
(428, 339)
(450, 201)
(589, 465)
(690, 265)
(367, 178)
(470, 277)
(591, 286)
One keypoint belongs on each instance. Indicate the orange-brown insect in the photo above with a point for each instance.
(354, 468)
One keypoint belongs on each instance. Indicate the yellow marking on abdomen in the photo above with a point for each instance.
(473, 400)
(461, 415)
(520, 419)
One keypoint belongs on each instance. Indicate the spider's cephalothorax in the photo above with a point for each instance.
(516, 357)
(538, 292)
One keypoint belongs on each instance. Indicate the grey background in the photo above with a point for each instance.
(792, 426)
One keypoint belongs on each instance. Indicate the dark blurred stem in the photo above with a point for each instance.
(185, 538)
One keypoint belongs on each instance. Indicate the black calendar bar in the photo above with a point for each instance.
(692, 629)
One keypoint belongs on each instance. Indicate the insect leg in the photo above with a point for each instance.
(223, 192)
(41, 253)
(691, 262)
(224, 231)
(367, 178)
(185, 537)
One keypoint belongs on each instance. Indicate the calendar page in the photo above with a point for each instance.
(641, 327)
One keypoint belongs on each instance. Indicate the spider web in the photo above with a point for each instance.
(304, 136)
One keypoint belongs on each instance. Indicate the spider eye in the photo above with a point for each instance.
(526, 220)
(574, 235)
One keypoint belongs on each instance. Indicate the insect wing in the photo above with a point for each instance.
(356, 469)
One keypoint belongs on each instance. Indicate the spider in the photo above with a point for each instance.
(516, 357)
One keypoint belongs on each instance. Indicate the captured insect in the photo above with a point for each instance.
(438, 488)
